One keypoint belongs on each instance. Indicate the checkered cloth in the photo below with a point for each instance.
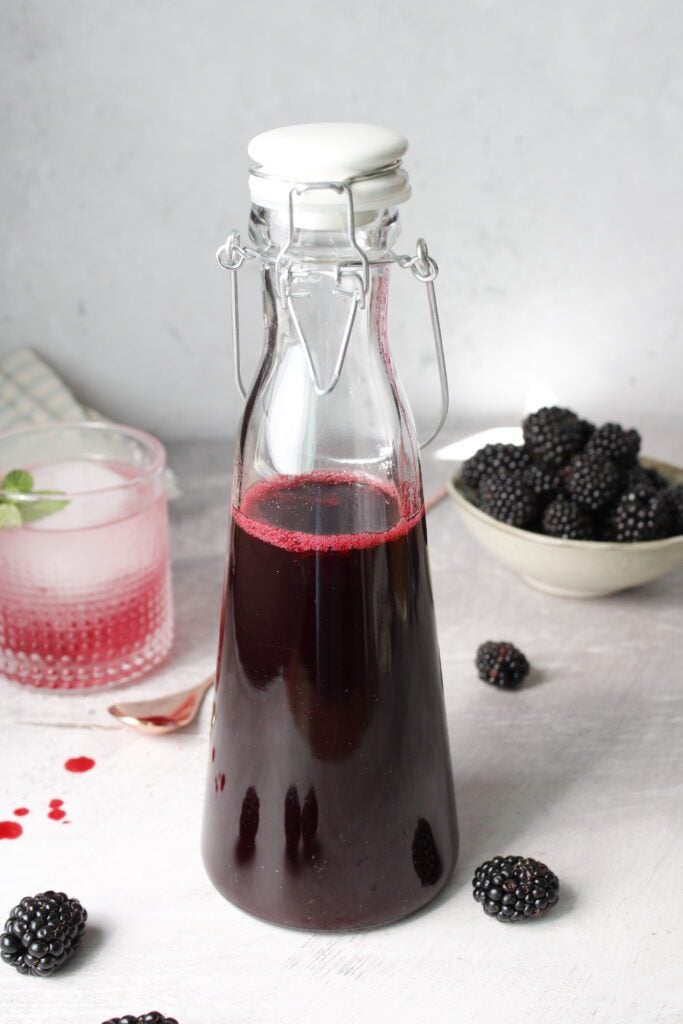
(30, 393)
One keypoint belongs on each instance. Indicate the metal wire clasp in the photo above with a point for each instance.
(424, 268)
(231, 256)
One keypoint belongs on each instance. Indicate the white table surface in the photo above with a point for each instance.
(581, 769)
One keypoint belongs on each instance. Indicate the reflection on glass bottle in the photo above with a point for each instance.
(309, 823)
(292, 823)
(249, 823)
(301, 825)
(426, 857)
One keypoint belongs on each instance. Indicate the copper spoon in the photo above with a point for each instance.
(163, 714)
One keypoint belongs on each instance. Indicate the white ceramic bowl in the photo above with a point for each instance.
(573, 568)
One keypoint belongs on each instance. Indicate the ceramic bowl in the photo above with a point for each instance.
(573, 568)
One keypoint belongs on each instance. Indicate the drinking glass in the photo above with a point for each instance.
(85, 587)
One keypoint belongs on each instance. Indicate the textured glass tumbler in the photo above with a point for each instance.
(85, 587)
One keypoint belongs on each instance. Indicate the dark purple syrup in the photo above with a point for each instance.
(337, 809)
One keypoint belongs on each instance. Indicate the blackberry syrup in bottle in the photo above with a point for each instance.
(329, 802)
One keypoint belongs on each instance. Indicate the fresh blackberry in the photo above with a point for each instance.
(640, 476)
(565, 518)
(592, 481)
(674, 496)
(641, 514)
(515, 888)
(658, 481)
(491, 460)
(147, 1018)
(501, 664)
(552, 435)
(508, 499)
(42, 932)
(613, 442)
(426, 857)
(587, 431)
(544, 481)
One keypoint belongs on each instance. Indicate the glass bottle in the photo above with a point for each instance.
(330, 800)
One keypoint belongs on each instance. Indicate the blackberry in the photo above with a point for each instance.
(42, 932)
(564, 518)
(587, 431)
(641, 514)
(552, 435)
(674, 496)
(544, 481)
(613, 442)
(515, 888)
(640, 476)
(592, 481)
(426, 857)
(508, 499)
(491, 460)
(147, 1018)
(501, 664)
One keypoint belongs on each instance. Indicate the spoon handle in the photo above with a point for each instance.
(208, 683)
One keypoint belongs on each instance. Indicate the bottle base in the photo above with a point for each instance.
(329, 919)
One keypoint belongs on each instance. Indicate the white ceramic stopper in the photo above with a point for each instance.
(364, 156)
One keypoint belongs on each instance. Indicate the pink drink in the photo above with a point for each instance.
(85, 596)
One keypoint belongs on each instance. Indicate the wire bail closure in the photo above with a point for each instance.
(231, 255)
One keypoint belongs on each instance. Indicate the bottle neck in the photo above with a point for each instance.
(321, 295)
(375, 233)
(326, 397)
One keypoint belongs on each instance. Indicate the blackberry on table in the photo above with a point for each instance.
(613, 442)
(493, 459)
(552, 435)
(592, 481)
(147, 1018)
(641, 515)
(501, 664)
(515, 888)
(566, 519)
(42, 933)
(508, 499)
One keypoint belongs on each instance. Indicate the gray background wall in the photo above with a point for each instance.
(546, 158)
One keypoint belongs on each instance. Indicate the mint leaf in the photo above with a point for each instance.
(10, 517)
(30, 511)
(17, 511)
(19, 481)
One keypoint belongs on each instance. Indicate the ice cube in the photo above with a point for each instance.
(87, 478)
(75, 476)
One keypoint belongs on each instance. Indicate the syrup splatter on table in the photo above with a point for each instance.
(79, 764)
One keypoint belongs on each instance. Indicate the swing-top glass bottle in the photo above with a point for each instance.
(330, 798)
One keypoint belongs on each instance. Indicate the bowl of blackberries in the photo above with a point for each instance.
(575, 510)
